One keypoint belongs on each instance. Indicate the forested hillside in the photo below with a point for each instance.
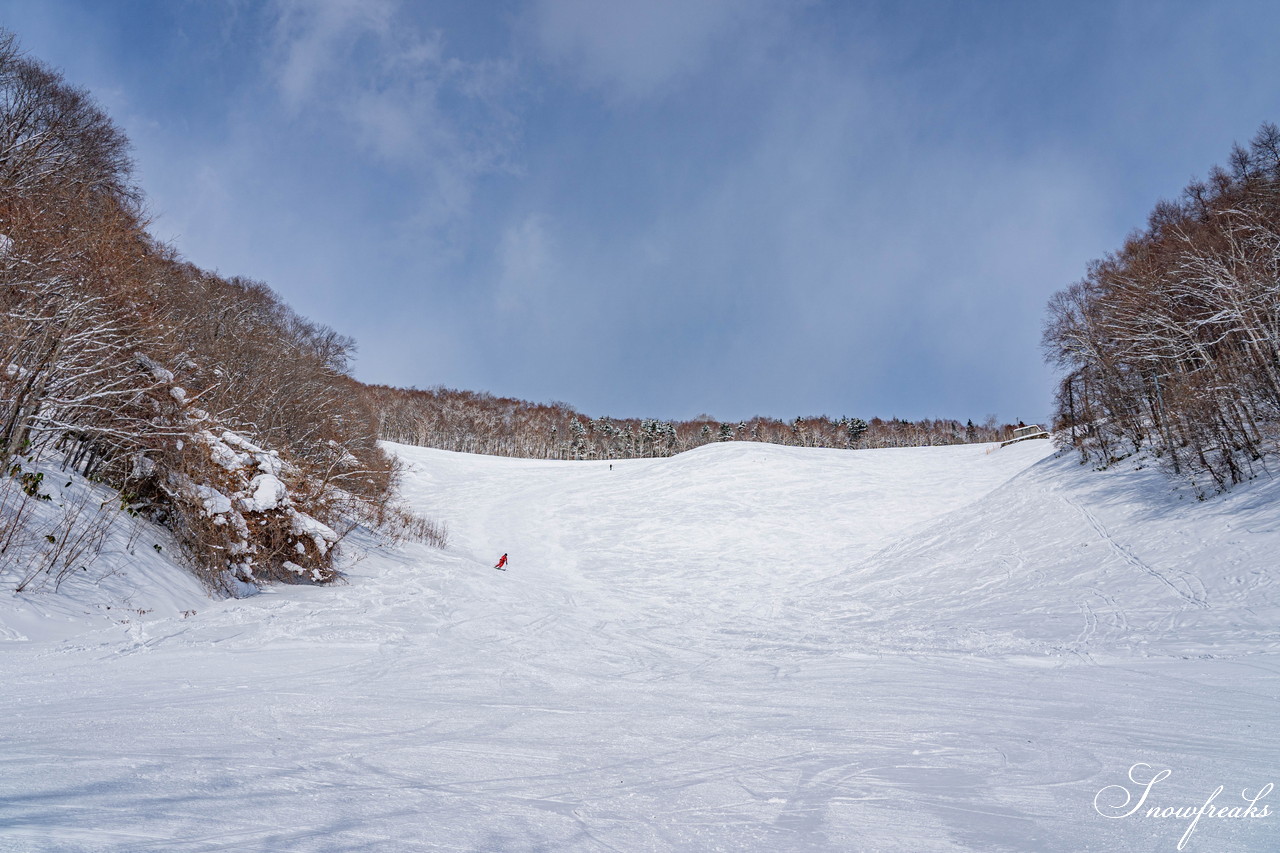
(208, 403)
(1172, 344)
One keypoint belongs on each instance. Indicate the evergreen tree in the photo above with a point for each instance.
(855, 427)
(579, 437)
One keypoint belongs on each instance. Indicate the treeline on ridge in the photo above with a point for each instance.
(1172, 344)
(471, 422)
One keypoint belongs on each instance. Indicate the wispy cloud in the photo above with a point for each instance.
(315, 39)
(634, 50)
(392, 84)
(526, 256)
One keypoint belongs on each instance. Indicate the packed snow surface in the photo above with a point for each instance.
(744, 647)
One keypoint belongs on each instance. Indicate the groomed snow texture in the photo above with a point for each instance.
(744, 647)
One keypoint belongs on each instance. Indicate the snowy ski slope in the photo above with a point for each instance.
(745, 647)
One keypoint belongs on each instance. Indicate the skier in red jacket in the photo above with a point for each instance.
(502, 563)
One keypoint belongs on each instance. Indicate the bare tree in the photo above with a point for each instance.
(1173, 342)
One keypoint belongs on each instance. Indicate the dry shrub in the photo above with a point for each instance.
(47, 533)
(402, 524)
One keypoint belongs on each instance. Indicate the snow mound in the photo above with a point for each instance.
(1064, 559)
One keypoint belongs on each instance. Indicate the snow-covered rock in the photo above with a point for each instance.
(214, 501)
(321, 535)
(266, 491)
(158, 371)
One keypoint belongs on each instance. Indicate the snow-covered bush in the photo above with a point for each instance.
(236, 506)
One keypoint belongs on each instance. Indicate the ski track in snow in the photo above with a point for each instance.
(1190, 589)
(744, 647)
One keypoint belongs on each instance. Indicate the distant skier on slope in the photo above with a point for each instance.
(502, 563)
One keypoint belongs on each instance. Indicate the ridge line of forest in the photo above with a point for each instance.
(478, 422)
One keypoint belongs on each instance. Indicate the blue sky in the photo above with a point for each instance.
(670, 207)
